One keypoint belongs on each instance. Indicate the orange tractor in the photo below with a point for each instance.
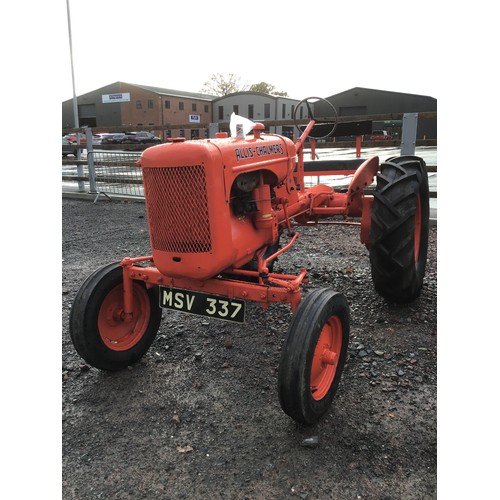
(220, 211)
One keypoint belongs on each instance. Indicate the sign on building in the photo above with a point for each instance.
(119, 97)
(194, 119)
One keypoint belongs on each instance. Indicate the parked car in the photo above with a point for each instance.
(96, 138)
(72, 138)
(113, 138)
(380, 135)
(142, 138)
(68, 148)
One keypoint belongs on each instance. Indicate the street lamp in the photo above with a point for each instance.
(79, 168)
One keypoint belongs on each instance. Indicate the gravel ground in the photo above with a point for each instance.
(199, 416)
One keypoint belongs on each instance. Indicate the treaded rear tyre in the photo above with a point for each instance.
(313, 356)
(399, 231)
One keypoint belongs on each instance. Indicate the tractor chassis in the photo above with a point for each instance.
(313, 204)
(272, 288)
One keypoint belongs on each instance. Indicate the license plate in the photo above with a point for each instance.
(203, 304)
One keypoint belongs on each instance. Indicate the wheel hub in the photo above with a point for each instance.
(120, 331)
(325, 359)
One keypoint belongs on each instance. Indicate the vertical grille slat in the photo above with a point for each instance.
(177, 208)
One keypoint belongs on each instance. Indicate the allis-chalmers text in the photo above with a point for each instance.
(261, 150)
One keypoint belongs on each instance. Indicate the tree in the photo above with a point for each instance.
(221, 85)
(267, 88)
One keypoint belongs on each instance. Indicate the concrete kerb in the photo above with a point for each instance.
(87, 196)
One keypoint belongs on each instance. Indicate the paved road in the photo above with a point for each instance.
(428, 153)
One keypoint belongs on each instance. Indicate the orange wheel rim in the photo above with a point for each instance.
(116, 333)
(418, 229)
(326, 358)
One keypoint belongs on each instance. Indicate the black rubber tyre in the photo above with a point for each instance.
(399, 233)
(319, 330)
(96, 325)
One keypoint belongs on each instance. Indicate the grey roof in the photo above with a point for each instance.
(247, 92)
(172, 92)
(378, 90)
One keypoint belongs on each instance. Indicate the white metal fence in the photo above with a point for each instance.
(115, 172)
(103, 172)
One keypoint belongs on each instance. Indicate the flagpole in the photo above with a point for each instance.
(79, 167)
(75, 105)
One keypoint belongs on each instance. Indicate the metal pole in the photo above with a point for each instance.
(358, 146)
(79, 168)
(409, 134)
(90, 161)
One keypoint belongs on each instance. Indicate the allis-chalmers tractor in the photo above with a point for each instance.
(220, 211)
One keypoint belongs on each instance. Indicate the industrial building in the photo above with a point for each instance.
(130, 106)
(360, 101)
(258, 107)
(165, 111)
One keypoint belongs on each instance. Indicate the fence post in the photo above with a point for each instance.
(213, 128)
(90, 161)
(409, 134)
(79, 166)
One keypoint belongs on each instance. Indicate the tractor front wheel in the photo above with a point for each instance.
(399, 231)
(313, 356)
(101, 333)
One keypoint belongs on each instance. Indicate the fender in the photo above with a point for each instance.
(363, 177)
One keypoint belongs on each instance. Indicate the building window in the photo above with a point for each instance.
(287, 131)
(138, 104)
(150, 103)
(181, 106)
(167, 104)
(193, 106)
(235, 109)
(221, 112)
(250, 111)
(206, 108)
(267, 110)
(301, 112)
(292, 111)
(283, 111)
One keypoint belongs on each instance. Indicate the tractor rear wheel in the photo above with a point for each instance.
(98, 328)
(399, 230)
(313, 355)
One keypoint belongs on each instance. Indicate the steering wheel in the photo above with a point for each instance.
(328, 123)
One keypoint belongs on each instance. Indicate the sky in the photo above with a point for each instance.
(303, 51)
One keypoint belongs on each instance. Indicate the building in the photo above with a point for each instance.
(127, 105)
(362, 101)
(258, 107)
(124, 106)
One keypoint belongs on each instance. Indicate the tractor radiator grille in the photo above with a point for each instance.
(177, 207)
